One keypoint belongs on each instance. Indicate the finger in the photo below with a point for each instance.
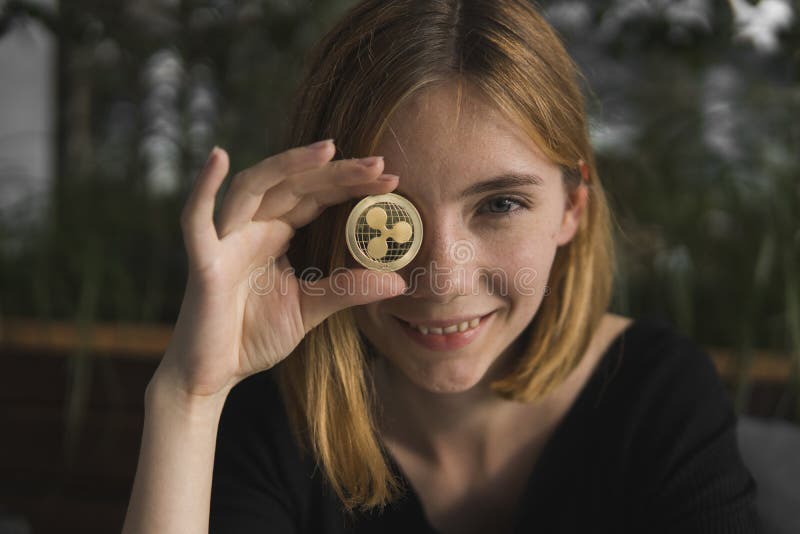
(313, 205)
(248, 187)
(290, 192)
(343, 289)
(197, 216)
(272, 238)
(261, 240)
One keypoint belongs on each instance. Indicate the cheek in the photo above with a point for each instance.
(537, 225)
(524, 258)
(518, 245)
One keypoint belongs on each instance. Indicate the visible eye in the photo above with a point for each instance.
(503, 206)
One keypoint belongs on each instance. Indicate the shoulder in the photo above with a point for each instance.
(663, 384)
(650, 355)
(678, 428)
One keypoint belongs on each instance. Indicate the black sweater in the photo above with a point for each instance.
(648, 446)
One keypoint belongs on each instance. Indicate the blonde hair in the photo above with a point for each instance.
(378, 56)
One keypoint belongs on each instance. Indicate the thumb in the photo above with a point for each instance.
(344, 288)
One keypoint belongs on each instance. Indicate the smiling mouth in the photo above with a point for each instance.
(445, 338)
(445, 329)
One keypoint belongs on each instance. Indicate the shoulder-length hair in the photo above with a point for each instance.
(378, 56)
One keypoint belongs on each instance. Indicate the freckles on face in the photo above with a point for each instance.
(448, 159)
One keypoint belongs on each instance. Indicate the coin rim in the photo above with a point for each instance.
(352, 220)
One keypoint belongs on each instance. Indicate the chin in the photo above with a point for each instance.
(452, 376)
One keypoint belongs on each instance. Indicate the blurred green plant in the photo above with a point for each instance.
(694, 124)
(694, 110)
(133, 126)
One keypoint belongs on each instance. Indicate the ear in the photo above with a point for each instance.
(574, 205)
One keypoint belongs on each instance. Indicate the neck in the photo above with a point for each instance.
(430, 423)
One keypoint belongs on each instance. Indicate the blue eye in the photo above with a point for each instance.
(505, 206)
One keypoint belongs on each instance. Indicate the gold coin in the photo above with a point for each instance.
(384, 232)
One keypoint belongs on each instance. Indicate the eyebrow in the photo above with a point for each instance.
(503, 181)
(496, 183)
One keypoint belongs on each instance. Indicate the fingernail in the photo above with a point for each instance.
(320, 144)
(388, 177)
(370, 162)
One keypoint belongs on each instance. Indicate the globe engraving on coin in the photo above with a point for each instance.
(384, 232)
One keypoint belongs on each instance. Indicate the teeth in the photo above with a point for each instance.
(451, 329)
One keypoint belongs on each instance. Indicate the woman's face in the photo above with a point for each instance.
(488, 246)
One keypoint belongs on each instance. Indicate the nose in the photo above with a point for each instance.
(441, 269)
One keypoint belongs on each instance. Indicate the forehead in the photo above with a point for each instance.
(444, 133)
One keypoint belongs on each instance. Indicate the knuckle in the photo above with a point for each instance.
(301, 156)
(286, 162)
(246, 180)
(318, 205)
(241, 177)
(344, 164)
(305, 212)
(344, 168)
(287, 231)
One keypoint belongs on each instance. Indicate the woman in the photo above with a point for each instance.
(493, 393)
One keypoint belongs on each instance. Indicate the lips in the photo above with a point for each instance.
(448, 328)
(437, 339)
(442, 323)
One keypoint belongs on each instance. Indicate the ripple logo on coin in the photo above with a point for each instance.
(384, 232)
